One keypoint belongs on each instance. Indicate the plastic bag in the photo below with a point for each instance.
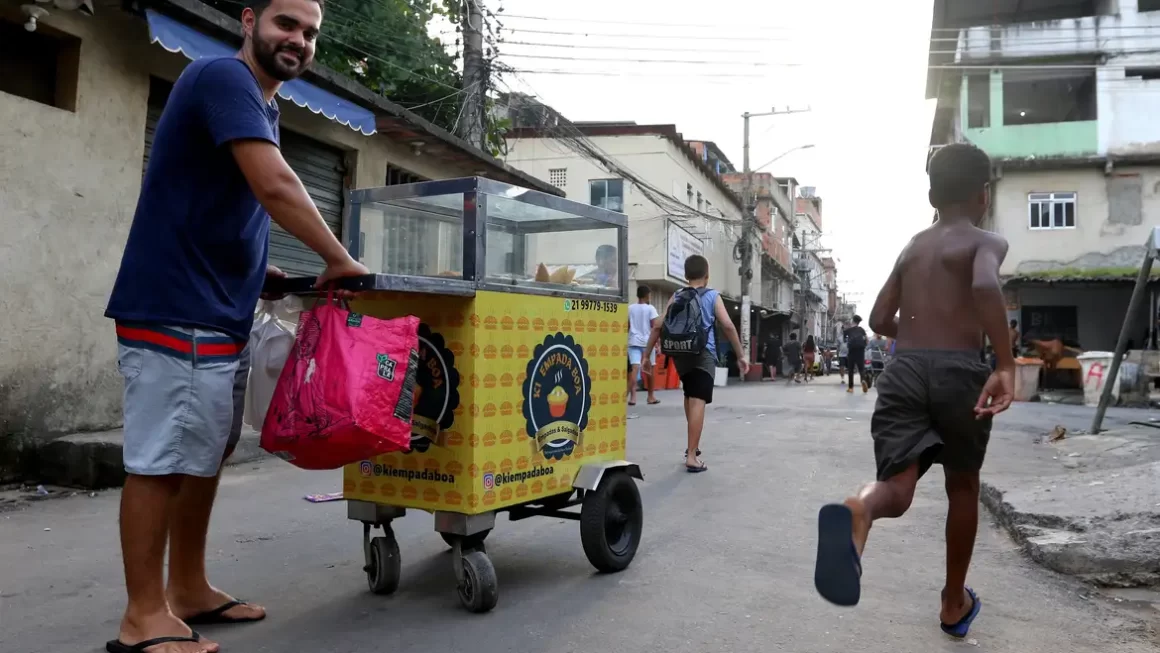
(271, 340)
(345, 393)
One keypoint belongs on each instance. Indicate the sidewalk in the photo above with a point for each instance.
(1087, 506)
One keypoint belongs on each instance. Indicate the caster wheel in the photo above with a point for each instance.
(384, 566)
(470, 542)
(479, 590)
(611, 521)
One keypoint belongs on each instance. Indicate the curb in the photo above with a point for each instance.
(93, 461)
(1095, 552)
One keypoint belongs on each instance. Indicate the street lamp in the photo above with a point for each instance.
(784, 154)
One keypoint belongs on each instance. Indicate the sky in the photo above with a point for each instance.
(860, 70)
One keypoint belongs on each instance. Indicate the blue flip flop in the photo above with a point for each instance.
(959, 629)
(838, 571)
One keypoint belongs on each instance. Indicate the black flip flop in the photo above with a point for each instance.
(696, 469)
(687, 453)
(116, 646)
(218, 616)
(653, 403)
(838, 571)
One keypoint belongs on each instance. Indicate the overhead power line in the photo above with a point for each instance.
(756, 64)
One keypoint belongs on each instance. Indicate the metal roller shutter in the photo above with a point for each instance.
(321, 168)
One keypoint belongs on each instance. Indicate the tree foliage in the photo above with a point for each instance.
(389, 47)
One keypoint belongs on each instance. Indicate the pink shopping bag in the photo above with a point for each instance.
(345, 394)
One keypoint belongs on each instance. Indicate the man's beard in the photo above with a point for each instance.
(266, 54)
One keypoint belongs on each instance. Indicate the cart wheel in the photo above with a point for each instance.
(385, 566)
(470, 542)
(479, 589)
(611, 520)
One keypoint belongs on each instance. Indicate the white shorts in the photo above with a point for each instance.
(184, 398)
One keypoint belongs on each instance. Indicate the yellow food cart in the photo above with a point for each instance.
(519, 398)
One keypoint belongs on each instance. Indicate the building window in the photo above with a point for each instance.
(397, 176)
(1051, 210)
(1149, 5)
(689, 193)
(41, 66)
(558, 177)
(1036, 97)
(607, 194)
(700, 202)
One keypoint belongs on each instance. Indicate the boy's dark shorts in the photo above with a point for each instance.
(697, 375)
(925, 412)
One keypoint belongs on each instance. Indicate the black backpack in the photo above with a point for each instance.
(856, 338)
(683, 332)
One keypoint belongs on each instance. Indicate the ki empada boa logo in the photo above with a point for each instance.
(436, 391)
(556, 396)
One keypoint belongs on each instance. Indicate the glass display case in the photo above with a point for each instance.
(457, 236)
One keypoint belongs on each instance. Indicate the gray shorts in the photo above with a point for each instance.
(184, 398)
(925, 412)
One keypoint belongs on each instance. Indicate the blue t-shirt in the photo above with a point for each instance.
(197, 249)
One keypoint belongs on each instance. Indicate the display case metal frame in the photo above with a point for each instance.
(477, 191)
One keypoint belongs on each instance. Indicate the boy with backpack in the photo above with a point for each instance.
(687, 337)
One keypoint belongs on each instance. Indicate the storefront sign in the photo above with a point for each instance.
(681, 245)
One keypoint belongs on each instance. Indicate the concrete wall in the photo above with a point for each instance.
(1109, 233)
(69, 185)
(658, 161)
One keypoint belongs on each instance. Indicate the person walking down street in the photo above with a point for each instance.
(642, 317)
(772, 356)
(183, 303)
(1014, 329)
(856, 345)
(810, 354)
(843, 358)
(936, 400)
(691, 317)
(793, 356)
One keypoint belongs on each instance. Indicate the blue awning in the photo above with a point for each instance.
(178, 37)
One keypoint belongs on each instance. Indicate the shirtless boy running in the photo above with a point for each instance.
(943, 294)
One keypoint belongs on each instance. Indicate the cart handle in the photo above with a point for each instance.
(305, 285)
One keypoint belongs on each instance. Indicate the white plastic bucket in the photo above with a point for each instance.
(721, 378)
(1096, 367)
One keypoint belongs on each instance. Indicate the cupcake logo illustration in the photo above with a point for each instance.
(556, 396)
(436, 391)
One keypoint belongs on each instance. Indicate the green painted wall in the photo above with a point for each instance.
(1013, 141)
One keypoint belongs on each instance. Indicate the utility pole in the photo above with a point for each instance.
(749, 227)
(470, 127)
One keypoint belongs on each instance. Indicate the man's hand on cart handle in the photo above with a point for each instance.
(273, 272)
(347, 267)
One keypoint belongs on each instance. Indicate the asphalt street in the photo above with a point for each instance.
(726, 563)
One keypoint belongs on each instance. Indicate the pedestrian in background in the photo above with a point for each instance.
(642, 317)
(693, 348)
(856, 340)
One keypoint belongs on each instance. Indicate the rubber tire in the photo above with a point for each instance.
(593, 534)
(386, 565)
(470, 542)
(480, 591)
